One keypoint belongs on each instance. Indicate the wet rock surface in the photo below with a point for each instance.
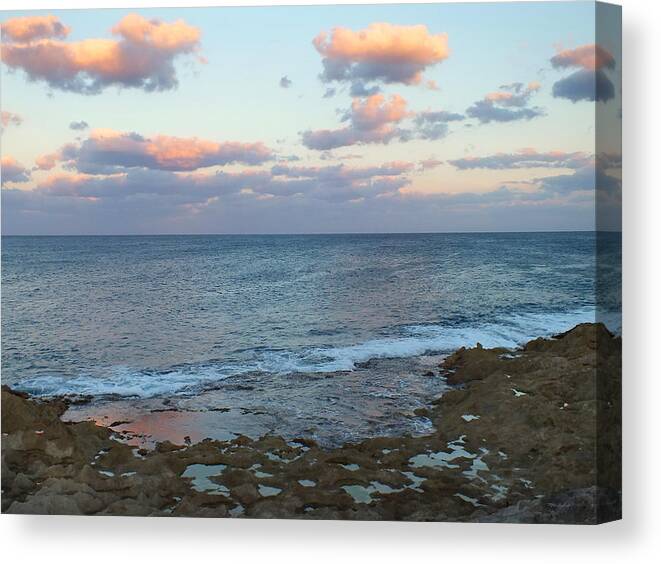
(515, 440)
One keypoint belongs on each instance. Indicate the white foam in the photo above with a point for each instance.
(509, 332)
(122, 381)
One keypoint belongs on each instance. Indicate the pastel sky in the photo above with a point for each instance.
(371, 118)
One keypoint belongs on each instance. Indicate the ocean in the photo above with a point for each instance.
(163, 316)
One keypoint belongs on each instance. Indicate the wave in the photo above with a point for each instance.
(413, 340)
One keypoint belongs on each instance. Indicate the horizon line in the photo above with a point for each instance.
(312, 234)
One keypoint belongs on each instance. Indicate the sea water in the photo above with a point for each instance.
(162, 316)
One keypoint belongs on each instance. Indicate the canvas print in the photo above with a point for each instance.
(313, 262)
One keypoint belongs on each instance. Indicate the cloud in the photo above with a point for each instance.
(78, 125)
(382, 52)
(589, 57)
(590, 82)
(585, 179)
(186, 187)
(359, 90)
(285, 82)
(336, 183)
(509, 103)
(501, 196)
(438, 116)
(601, 173)
(376, 111)
(395, 168)
(330, 92)
(585, 85)
(141, 57)
(154, 200)
(30, 28)
(609, 160)
(9, 118)
(486, 112)
(376, 119)
(246, 211)
(288, 199)
(13, 171)
(428, 164)
(107, 151)
(589, 174)
(372, 120)
(581, 180)
(434, 125)
(526, 158)
(48, 161)
(515, 95)
(330, 156)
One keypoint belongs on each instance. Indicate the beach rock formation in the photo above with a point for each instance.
(529, 435)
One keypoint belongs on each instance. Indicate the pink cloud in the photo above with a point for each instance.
(47, 162)
(590, 82)
(330, 183)
(376, 111)
(376, 119)
(29, 28)
(383, 51)
(372, 120)
(509, 103)
(499, 96)
(64, 183)
(589, 57)
(108, 150)
(141, 57)
(165, 36)
(12, 171)
(515, 94)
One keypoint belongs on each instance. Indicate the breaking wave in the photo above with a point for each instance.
(412, 340)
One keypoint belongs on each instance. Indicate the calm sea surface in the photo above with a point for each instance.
(153, 316)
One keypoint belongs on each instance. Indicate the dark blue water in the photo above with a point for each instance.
(172, 314)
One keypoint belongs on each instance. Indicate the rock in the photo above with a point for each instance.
(118, 423)
(515, 441)
(46, 505)
(21, 484)
(128, 507)
(246, 494)
(304, 441)
(167, 446)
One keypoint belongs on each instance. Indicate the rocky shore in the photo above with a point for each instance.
(529, 435)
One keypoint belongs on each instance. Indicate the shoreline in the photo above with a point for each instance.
(379, 397)
(513, 439)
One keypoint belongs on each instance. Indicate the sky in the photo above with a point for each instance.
(319, 119)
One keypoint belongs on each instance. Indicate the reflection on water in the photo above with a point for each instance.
(377, 399)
